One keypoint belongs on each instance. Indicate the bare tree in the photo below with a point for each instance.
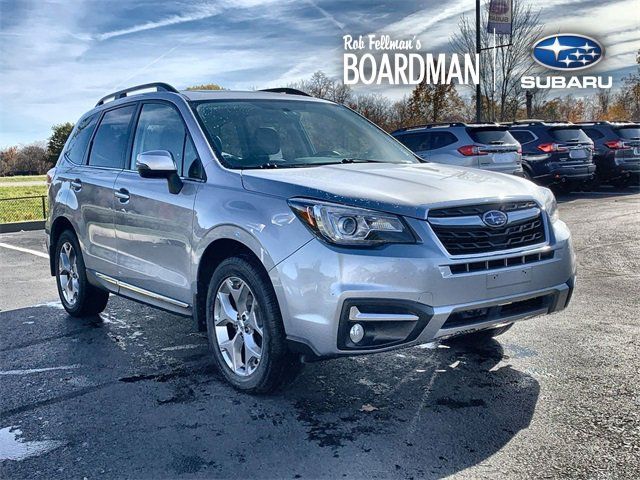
(375, 107)
(322, 86)
(512, 62)
(436, 103)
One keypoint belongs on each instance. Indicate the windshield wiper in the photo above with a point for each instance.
(358, 160)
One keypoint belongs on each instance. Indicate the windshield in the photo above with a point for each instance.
(285, 134)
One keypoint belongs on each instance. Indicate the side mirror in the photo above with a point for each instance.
(159, 164)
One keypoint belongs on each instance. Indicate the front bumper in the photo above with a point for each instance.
(317, 286)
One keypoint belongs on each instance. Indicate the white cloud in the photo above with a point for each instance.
(202, 12)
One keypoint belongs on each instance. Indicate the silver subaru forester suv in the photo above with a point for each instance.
(291, 228)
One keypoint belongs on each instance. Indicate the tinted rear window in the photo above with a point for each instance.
(415, 142)
(490, 136)
(523, 136)
(441, 140)
(592, 133)
(569, 135)
(79, 139)
(629, 132)
(111, 139)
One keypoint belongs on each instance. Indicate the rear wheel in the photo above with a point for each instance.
(245, 329)
(79, 298)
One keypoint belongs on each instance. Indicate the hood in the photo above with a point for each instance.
(404, 189)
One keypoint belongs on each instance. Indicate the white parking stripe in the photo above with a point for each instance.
(24, 250)
(37, 370)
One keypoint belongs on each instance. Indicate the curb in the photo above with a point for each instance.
(21, 226)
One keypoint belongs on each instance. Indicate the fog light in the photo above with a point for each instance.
(356, 333)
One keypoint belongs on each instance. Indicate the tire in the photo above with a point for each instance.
(481, 336)
(250, 350)
(526, 175)
(79, 298)
(621, 183)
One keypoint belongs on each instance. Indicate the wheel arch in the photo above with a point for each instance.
(58, 226)
(212, 255)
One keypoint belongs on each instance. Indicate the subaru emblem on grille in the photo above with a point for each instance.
(495, 218)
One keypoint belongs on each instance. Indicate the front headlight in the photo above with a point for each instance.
(351, 226)
(550, 204)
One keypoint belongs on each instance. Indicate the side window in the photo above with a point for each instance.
(592, 133)
(442, 139)
(77, 146)
(522, 136)
(160, 127)
(416, 142)
(110, 142)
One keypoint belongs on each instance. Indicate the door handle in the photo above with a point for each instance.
(122, 195)
(76, 185)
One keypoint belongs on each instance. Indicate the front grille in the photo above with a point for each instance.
(465, 239)
(486, 265)
(468, 210)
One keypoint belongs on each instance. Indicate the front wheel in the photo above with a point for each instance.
(79, 298)
(245, 328)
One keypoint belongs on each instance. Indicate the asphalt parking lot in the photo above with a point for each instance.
(132, 394)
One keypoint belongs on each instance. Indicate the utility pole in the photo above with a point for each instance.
(478, 52)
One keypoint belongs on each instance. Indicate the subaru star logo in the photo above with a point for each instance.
(567, 52)
(494, 218)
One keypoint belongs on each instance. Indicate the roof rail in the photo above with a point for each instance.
(288, 91)
(159, 86)
(430, 125)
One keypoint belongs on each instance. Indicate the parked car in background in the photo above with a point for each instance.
(616, 150)
(554, 153)
(487, 146)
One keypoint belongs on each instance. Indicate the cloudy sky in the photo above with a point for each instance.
(57, 57)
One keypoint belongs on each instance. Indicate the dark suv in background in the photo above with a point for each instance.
(555, 153)
(487, 146)
(617, 150)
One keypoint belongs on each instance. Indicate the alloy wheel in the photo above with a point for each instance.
(238, 326)
(68, 273)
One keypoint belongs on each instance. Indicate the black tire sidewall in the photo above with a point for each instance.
(269, 313)
(78, 307)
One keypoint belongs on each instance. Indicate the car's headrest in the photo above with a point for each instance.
(267, 141)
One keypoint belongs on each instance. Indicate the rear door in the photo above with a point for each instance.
(92, 189)
(442, 148)
(498, 150)
(154, 226)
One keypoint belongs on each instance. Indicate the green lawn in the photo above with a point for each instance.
(23, 178)
(24, 209)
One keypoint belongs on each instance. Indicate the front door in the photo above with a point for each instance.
(154, 226)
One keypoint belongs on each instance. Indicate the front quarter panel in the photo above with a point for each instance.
(265, 224)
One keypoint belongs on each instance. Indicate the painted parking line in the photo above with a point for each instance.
(24, 250)
(37, 370)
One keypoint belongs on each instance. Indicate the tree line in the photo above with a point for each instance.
(35, 158)
(502, 100)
